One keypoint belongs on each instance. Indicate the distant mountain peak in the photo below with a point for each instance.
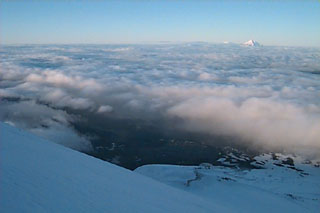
(251, 43)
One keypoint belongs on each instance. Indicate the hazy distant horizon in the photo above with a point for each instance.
(272, 23)
(153, 43)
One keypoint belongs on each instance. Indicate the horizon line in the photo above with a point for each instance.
(152, 43)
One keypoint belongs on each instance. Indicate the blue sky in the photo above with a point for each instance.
(293, 23)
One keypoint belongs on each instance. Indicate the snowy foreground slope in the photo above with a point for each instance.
(40, 176)
(281, 185)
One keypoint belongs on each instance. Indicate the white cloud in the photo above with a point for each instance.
(105, 109)
(262, 121)
(42, 120)
(268, 96)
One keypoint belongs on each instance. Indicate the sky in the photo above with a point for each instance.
(292, 23)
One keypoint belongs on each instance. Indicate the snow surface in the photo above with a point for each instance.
(276, 188)
(40, 176)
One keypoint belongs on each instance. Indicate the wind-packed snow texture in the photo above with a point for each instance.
(40, 176)
(258, 95)
(278, 187)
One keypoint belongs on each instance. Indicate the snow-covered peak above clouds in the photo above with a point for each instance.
(252, 43)
(40, 176)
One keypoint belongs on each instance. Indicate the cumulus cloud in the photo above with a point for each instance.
(263, 121)
(42, 120)
(268, 96)
(105, 109)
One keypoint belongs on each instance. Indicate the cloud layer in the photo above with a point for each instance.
(268, 96)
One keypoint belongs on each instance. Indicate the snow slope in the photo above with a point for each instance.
(40, 176)
(276, 188)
